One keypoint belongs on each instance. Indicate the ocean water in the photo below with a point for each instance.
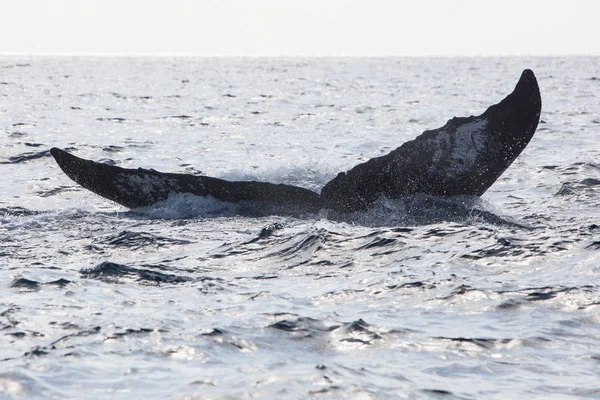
(418, 298)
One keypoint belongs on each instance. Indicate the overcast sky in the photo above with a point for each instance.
(301, 27)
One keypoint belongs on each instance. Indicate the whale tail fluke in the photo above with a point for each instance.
(134, 188)
(463, 157)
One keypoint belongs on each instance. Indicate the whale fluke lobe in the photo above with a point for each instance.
(134, 188)
(463, 157)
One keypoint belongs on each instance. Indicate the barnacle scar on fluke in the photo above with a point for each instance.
(464, 157)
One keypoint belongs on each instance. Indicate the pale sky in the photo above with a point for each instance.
(301, 27)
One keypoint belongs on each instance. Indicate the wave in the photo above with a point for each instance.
(412, 210)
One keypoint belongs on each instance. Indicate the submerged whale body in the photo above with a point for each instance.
(464, 157)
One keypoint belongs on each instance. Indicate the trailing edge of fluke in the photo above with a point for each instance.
(463, 157)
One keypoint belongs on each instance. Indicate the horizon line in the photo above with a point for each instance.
(299, 55)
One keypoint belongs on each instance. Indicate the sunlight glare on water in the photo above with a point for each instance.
(421, 297)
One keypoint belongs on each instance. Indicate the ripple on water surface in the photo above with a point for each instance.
(420, 297)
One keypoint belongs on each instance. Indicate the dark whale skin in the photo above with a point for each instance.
(134, 188)
(464, 157)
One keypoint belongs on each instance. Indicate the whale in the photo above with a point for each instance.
(463, 157)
